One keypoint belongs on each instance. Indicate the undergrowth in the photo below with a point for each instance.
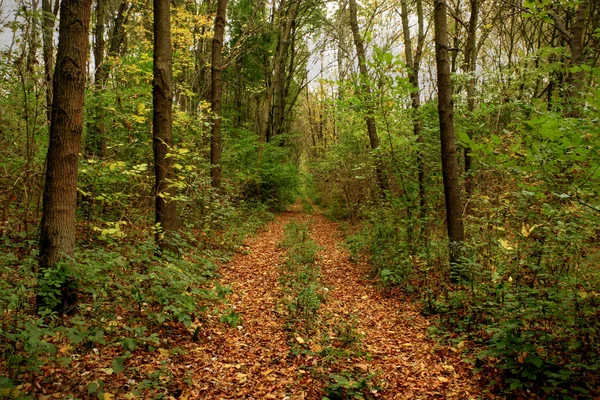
(530, 302)
(130, 300)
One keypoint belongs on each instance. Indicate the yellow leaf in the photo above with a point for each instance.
(164, 353)
(504, 243)
(526, 230)
(299, 339)
(108, 396)
(442, 379)
(364, 367)
(64, 349)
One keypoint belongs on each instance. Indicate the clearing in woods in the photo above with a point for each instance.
(364, 343)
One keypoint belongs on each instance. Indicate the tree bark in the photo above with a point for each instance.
(216, 92)
(366, 96)
(57, 236)
(454, 221)
(162, 140)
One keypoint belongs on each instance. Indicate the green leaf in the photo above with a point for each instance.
(129, 344)
(117, 365)
(92, 387)
(535, 360)
(463, 137)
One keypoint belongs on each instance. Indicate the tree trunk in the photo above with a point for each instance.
(49, 16)
(281, 92)
(469, 68)
(454, 222)
(413, 78)
(57, 236)
(216, 92)
(575, 79)
(162, 140)
(96, 141)
(366, 96)
(277, 76)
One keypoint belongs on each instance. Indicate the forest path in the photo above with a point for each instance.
(262, 359)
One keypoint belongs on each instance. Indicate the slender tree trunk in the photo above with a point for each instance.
(162, 140)
(456, 234)
(96, 141)
(366, 95)
(49, 16)
(96, 144)
(415, 95)
(469, 68)
(277, 76)
(57, 236)
(117, 36)
(575, 79)
(216, 92)
(280, 94)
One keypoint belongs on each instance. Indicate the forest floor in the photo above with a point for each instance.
(384, 352)
(362, 342)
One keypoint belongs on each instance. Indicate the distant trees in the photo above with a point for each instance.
(57, 232)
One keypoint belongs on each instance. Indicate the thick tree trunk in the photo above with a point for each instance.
(366, 96)
(162, 140)
(415, 95)
(216, 92)
(454, 221)
(57, 236)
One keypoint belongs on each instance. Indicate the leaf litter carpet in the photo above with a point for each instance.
(263, 358)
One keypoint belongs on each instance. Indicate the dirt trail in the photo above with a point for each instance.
(254, 361)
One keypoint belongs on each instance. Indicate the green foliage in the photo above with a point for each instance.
(231, 317)
(126, 294)
(275, 182)
(349, 385)
(386, 239)
(301, 275)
